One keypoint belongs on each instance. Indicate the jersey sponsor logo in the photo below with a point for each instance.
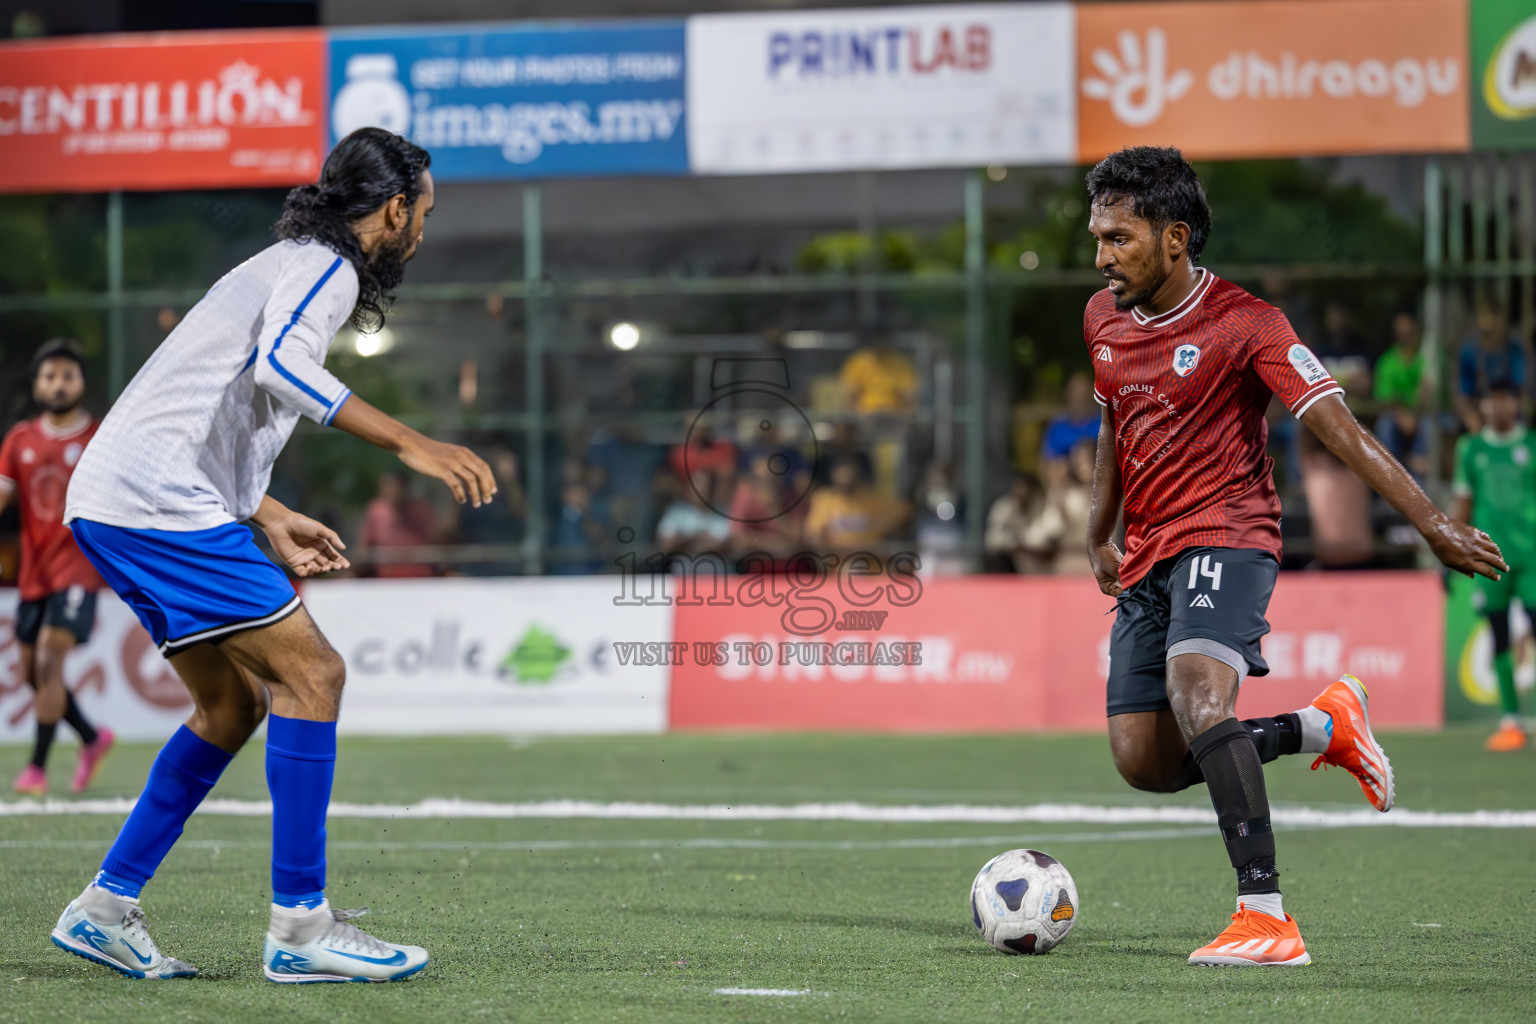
(28, 455)
(1185, 359)
(72, 453)
(1202, 601)
(1306, 364)
(1521, 455)
(1104, 355)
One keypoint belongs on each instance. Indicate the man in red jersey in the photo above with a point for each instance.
(1185, 365)
(58, 584)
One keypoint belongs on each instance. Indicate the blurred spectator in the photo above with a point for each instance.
(1342, 351)
(689, 525)
(395, 520)
(879, 379)
(1276, 290)
(760, 517)
(843, 444)
(788, 462)
(499, 522)
(850, 514)
(1339, 504)
(1402, 390)
(1492, 352)
(579, 531)
(940, 526)
(702, 452)
(628, 464)
(1023, 530)
(1080, 421)
(1070, 492)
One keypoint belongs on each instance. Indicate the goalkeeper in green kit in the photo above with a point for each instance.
(1495, 490)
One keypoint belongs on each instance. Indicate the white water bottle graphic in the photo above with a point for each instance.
(372, 98)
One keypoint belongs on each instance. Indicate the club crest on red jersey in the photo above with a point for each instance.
(1185, 359)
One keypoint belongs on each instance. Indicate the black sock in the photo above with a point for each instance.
(1275, 737)
(77, 720)
(1234, 775)
(42, 743)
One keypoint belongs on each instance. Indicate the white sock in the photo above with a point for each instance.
(1316, 730)
(1264, 903)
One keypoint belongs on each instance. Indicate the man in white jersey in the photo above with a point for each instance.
(158, 502)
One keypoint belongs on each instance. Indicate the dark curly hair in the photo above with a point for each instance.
(364, 171)
(1161, 187)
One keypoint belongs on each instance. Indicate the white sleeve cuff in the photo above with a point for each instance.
(1308, 401)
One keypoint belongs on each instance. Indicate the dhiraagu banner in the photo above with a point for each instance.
(1471, 690)
(1504, 63)
(520, 102)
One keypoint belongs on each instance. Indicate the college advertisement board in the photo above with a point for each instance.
(119, 678)
(165, 111)
(520, 102)
(958, 85)
(509, 656)
(1002, 654)
(1274, 78)
(1504, 74)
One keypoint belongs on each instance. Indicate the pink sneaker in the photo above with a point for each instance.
(32, 781)
(91, 756)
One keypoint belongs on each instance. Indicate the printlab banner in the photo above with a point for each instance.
(509, 656)
(1274, 78)
(958, 85)
(1004, 654)
(520, 102)
(119, 679)
(169, 111)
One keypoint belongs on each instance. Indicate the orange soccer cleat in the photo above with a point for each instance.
(1254, 939)
(1509, 737)
(1351, 746)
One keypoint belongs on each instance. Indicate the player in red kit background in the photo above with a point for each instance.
(1185, 365)
(58, 585)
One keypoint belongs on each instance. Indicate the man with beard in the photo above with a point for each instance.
(158, 504)
(58, 586)
(1185, 365)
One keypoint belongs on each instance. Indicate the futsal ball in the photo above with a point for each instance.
(1024, 901)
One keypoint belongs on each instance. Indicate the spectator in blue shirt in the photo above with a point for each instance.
(1491, 352)
(1080, 421)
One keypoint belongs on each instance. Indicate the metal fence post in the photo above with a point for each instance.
(117, 330)
(975, 365)
(533, 311)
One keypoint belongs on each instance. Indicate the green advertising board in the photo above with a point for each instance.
(1471, 690)
(1503, 85)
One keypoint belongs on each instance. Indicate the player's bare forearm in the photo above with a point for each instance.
(269, 511)
(1461, 508)
(1455, 543)
(1104, 509)
(465, 473)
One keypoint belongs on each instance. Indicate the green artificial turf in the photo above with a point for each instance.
(603, 920)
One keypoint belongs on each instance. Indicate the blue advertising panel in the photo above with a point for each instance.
(507, 102)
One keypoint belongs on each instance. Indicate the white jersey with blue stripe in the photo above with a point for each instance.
(190, 443)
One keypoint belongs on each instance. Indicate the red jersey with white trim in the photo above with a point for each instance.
(36, 462)
(1187, 392)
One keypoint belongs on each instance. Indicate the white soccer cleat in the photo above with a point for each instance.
(108, 929)
(323, 945)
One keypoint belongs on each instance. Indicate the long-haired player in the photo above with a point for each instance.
(159, 502)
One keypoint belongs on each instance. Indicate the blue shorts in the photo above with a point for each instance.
(189, 588)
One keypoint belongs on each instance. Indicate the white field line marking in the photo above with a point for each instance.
(762, 991)
(1070, 814)
(532, 845)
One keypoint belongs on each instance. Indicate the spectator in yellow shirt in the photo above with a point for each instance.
(850, 515)
(880, 379)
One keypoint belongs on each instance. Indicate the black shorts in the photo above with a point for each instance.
(73, 609)
(1207, 601)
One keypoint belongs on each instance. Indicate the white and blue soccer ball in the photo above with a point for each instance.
(1024, 901)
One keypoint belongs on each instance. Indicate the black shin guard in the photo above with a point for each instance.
(77, 721)
(1275, 737)
(1234, 775)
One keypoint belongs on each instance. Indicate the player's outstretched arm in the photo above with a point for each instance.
(308, 546)
(465, 473)
(1104, 511)
(1458, 545)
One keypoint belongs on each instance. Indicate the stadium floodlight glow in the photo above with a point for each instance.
(996, 172)
(624, 336)
(372, 344)
(1029, 259)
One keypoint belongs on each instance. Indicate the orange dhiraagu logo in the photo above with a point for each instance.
(1274, 77)
(1509, 85)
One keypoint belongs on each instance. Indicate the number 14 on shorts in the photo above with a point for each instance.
(1204, 567)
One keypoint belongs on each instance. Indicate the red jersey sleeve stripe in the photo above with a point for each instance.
(1304, 403)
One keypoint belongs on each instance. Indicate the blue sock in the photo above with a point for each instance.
(183, 773)
(301, 758)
